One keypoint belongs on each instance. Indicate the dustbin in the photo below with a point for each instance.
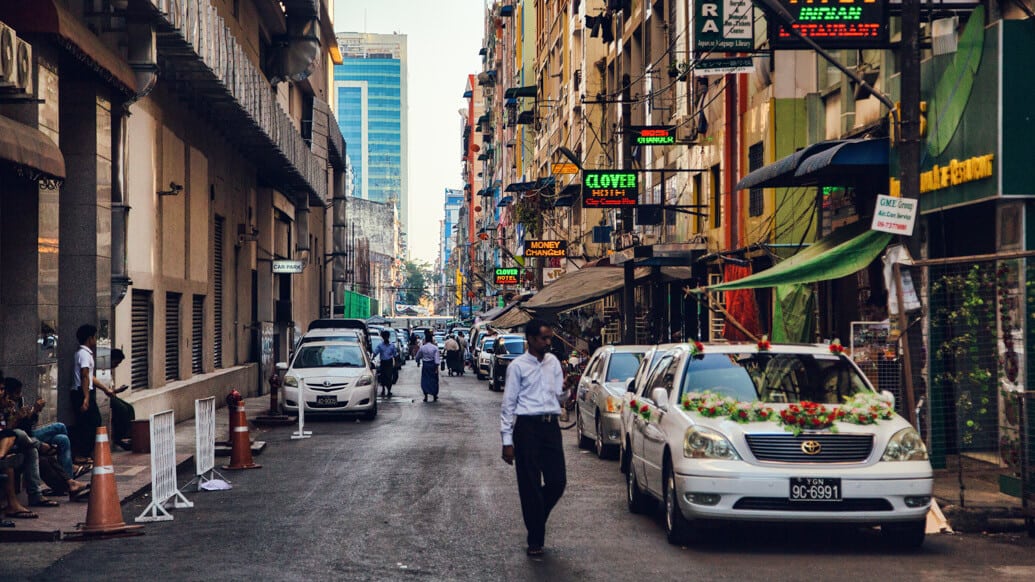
(140, 435)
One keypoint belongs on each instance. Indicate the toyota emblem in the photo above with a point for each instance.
(328, 383)
(811, 448)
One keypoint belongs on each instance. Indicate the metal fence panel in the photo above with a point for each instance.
(163, 469)
(204, 435)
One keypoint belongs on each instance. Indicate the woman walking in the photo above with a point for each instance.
(429, 359)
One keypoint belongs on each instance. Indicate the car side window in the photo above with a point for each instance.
(667, 379)
(656, 376)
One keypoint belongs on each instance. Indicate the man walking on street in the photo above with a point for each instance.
(531, 433)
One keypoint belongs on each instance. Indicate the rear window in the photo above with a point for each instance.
(329, 356)
(775, 378)
(515, 347)
(622, 366)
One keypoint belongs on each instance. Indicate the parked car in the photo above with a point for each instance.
(343, 323)
(635, 386)
(736, 432)
(598, 400)
(505, 348)
(331, 377)
(483, 359)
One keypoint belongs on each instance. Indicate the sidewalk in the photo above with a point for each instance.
(132, 477)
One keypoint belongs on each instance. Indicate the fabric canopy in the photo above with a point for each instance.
(511, 319)
(781, 172)
(589, 284)
(27, 146)
(846, 251)
(845, 161)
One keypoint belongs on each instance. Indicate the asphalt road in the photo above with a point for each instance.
(421, 493)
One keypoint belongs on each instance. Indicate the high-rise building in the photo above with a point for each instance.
(454, 201)
(371, 86)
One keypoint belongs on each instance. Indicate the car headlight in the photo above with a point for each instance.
(291, 381)
(613, 404)
(365, 381)
(704, 443)
(906, 445)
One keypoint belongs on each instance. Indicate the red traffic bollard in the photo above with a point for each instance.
(233, 400)
(275, 384)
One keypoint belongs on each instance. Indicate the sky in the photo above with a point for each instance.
(443, 38)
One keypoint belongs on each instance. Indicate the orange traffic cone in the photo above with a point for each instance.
(104, 513)
(240, 440)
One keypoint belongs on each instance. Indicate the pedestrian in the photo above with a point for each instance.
(429, 358)
(122, 413)
(531, 432)
(386, 353)
(84, 393)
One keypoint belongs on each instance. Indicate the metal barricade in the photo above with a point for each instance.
(163, 469)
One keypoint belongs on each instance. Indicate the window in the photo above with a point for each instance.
(172, 336)
(622, 366)
(656, 375)
(197, 335)
(217, 292)
(140, 332)
(716, 205)
(756, 202)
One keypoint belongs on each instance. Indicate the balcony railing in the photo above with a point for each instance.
(202, 59)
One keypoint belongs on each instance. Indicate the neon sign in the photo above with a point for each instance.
(609, 188)
(507, 276)
(834, 24)
(546, 248)
(651, 135)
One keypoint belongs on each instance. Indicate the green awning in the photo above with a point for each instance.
(846, 251)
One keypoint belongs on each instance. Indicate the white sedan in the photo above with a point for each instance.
(773, 433)
(331, 377)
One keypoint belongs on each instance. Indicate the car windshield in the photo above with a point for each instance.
(329, 356)
(487, 343)
(511, 346)
(622, 366)
(330, 338)
(774, 377)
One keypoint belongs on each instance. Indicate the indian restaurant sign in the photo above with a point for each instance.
(845, 24)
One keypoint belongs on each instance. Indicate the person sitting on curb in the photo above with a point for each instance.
(9, 461)
(51, 441)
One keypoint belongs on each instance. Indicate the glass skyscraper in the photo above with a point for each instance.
(371, 88)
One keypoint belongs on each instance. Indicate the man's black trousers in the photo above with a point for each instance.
(541, 475)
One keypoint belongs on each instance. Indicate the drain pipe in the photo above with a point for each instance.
(295, 54)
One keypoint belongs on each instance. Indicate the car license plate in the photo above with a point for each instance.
(815, 489)
(326, 399)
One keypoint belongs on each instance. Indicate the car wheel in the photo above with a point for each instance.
(635, 498)
(906, 535)
(583, 441)
(677, 528)
(603, 451)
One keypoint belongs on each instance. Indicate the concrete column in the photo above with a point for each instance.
(84, 258)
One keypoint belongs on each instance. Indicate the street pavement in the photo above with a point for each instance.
(421, 493)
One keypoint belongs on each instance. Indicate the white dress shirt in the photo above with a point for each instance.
(532, 387)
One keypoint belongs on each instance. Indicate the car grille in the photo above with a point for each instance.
(784, 504)
(834, 448)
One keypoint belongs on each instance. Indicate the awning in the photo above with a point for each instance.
(513, 318)
(505, 201)
(576, 288)
(846, 251)
(29, 147)
(519, 186)
(845, 161)
(781, 172)
(527, 91)
(49, 17)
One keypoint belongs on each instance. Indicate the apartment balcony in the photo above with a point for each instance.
(203, 62)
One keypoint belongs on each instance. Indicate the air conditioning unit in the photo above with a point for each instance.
(8, 64)
(23, 60)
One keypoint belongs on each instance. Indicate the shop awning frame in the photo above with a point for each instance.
(836, 162)
(845, 252)
(29, 148)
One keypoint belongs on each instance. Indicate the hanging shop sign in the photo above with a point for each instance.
(507, 276)
(652, 135)
(894, 215)
(285, 267)
(546, 248)
(730, 66)
(846, 24)
(564, 168)
(954, 173)
(610, 188)
(723, 26)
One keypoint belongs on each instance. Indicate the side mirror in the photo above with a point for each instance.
(281, 366)
(660, 398)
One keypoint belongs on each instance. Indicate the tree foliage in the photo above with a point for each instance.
(418, 274)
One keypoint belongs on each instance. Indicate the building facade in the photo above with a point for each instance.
(177, 166)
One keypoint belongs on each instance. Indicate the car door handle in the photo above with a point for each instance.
(651, 432)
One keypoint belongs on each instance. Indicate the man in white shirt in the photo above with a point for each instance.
(84, 394)
(531, 433)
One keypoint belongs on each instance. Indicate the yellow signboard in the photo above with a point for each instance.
(564, 168)
(459, 287)
(956, 172)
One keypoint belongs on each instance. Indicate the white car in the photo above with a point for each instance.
(332, 377)
(633, 387)
(598, 400)
(484, 363)
(776, 433)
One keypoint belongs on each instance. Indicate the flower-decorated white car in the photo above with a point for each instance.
(745, 432)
